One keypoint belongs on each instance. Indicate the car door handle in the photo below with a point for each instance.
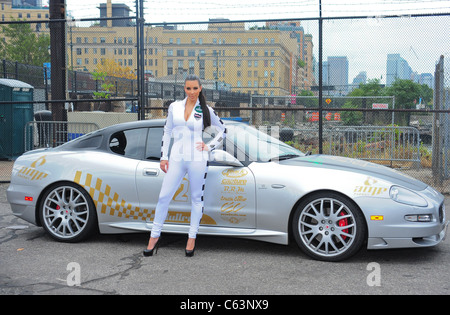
(151, 172)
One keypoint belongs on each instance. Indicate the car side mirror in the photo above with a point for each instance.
(225, 158)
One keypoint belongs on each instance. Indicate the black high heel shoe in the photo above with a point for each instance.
(190, 252)
(149, 252)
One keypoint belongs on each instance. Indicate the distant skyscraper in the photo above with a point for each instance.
(360, 78)
(427, 78)
(338, 74)
(397, 68)
(324, 73)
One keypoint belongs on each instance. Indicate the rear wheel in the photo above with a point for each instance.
(67, 212)
(329, 227)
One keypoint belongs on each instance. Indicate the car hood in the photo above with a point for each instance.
(359, 166)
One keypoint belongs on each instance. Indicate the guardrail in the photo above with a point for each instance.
(48, 134)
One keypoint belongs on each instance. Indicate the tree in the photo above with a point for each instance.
(106, 87)
(113, 69)
(371, 88)
(407, 93)
(109, 72)
(24, 45)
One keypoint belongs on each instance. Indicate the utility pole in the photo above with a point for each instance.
(140, 58)
(57, 10)
(141, 65)
(320, 78)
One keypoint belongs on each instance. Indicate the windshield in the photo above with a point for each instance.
(258, 145)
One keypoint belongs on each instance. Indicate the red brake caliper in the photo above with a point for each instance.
(343, 222)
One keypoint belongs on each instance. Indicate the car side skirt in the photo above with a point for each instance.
(253, 234)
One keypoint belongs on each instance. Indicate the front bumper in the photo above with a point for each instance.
(408, 242)
(389, 228)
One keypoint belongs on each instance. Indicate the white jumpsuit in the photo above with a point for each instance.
(185, 158)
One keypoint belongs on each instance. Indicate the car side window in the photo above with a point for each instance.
(154, 140)
(129, 143)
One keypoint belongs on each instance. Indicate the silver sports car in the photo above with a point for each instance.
(257, 187)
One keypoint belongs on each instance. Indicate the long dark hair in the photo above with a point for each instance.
(202, 99)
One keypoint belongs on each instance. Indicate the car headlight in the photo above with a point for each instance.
(406, 196)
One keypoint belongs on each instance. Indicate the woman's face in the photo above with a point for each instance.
(192, 89)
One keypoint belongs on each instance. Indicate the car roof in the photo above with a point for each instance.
(135, 124)
(146, 123)
(110, 130)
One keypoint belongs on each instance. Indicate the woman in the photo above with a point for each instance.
(186, 121)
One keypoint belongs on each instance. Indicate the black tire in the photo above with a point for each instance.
(328, 226)
(68, 213)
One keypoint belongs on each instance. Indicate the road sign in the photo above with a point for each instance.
(380, 106)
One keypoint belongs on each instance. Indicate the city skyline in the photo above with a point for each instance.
(368, 40)
(335, 73)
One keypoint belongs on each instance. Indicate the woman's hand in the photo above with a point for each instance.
(201, 146)
(164, 165)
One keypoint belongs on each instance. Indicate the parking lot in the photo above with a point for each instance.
(32, 263)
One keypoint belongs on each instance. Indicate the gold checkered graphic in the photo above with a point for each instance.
(110, 203)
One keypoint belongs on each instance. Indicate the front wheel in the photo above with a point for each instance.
(329, 227)
(67, 213)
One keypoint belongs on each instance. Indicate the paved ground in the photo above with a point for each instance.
(31, 263)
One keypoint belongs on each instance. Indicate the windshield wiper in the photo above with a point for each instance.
(284, 157)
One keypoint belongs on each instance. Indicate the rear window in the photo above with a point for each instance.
(89, 142)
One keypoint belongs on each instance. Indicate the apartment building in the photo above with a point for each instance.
(258, 60)
(19, 10)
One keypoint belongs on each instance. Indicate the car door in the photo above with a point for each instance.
(229, 191)
(112, 180)
(230, 196)
(148, 174)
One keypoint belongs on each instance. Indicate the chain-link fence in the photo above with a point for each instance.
(380, 99)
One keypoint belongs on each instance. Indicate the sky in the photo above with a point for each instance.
(366, 42)
(195, 10)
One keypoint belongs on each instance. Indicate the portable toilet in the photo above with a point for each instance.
(14, 116)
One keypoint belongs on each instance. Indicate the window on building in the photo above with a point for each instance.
(169, 67)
